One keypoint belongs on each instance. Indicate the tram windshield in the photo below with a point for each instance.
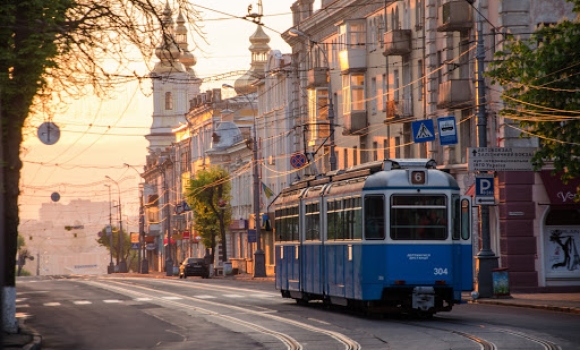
(418, 217)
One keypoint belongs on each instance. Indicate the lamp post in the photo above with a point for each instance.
(259, 257)
(122, 264)
(486, 260)
(295, 32)
(143, 264)
(111, 267)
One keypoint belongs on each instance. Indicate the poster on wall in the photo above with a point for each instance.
(562, 247)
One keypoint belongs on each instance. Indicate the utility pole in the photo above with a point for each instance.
(167, 221)
(486, 260)
(2, 231)
(109, 232)
(143, 264)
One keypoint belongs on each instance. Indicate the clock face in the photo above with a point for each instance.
(48, 133)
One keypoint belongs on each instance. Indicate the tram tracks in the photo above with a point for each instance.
(486, 344)
(125, 287)
(290, 342)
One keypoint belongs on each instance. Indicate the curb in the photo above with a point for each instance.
(36, 343)
(527, 305)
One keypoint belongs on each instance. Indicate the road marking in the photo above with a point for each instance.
(82, 302)
(204, 296)
(142, 299)
(22, 305)
(172, 298)
(233, 296)
(52, 304)
(111, 301)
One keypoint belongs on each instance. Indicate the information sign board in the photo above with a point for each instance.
(447, 130)
(500, 158)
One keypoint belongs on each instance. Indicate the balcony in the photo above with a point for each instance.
(455, 94)
(397, 42)
(353, 60)
(317, 77)
(398, 109)
(455, 16)
(355, 123)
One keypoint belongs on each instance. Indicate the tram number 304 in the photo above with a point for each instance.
(440, 271)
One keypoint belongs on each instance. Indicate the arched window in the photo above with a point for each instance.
(168, 101)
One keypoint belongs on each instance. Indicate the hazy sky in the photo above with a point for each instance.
(97, 137)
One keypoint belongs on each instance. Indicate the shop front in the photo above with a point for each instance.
(561, 232)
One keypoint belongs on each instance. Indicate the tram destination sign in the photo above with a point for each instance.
(500, 158)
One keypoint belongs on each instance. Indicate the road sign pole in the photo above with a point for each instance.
(486, 260)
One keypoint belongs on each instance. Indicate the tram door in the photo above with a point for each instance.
(462, 245)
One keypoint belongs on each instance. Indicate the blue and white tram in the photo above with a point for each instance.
(390, 236)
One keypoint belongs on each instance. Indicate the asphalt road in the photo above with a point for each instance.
(114, 313)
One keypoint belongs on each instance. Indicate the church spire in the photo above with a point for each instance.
(259, 48)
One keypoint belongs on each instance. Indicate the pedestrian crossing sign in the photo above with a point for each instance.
(423, 130)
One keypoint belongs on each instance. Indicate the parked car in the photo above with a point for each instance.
(193, 267)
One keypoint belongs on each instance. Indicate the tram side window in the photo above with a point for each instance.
(286, 224)
(344, 217)
(312, 222)
(418, 217)
(374, 217)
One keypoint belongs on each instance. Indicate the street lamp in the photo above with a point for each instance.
(259, 258)
(143, 265)
(111, 268)
(295, 32)
(121, 261)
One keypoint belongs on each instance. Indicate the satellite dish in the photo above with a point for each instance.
(55, 196)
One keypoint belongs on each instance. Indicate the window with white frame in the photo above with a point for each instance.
(353, 34)
(318, 113)
(373, 34)
(353, 93)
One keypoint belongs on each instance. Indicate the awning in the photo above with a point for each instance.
(558, 192)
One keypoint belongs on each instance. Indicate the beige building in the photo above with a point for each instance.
(392, 64)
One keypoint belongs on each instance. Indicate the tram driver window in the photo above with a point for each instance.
(374, 217)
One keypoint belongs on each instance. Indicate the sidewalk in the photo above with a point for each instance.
(27, 339)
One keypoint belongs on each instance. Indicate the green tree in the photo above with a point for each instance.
(55, 50)
(208, 196)
(541, 91)
(104, 241)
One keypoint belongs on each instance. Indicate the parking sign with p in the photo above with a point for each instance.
(484, 189)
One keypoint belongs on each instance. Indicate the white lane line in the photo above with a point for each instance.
(82, 302)
(142, 299)
(112, 301)
(233, 296)
(52, 304)
(204, 296)
(172, 298)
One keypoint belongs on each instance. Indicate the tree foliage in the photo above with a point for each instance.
(104, 240)
(208, 196)
(541, 90)
(56, 50)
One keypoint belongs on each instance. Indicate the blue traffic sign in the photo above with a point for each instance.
(447, 130)
(484, 186)
(423, 130)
